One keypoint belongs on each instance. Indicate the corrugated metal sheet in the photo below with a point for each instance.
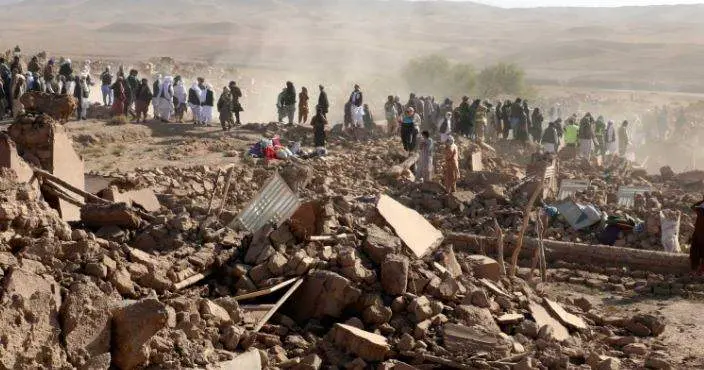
(569, 188)
(627, 194)
(274, 204)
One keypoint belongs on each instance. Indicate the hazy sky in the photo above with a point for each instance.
(592, 3)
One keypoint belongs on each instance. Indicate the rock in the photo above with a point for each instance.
(406, 342)
(510, 318)
(310, 362)
(420, 308)
(583, 303)
(379, 243)
(476, 316)
(484, 267)
(118, 214)
(526, 363)
(472, 340)
(376, 314)
(394, 274)
(85, 321)
(219, 316)
(448, 260)
(658, 360)
(24, 283)
(479, 298)
(654, 323)
(421, 329)
(29, 328)
(610, 363)
(96, 269)
(276, 264)
(366, 345)
(638, 328)
(122, 281)
(419, 235)
(134, 325)
(635, 349)
(323, 293)
(529, 328)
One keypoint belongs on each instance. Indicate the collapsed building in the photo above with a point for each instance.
(317, 264)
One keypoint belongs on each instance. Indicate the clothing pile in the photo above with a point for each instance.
(270, 149)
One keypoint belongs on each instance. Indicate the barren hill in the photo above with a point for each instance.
(631, 47)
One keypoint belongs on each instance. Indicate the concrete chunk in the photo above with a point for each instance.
(475, 339)
(557, 332)
(134, 325)
(394, 274)
(366, 345)
(144, 198)
(484, 267)
(416, 232)
(568, 319)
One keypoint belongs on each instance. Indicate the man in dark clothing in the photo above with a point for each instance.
(156, 89)
(551, 139)
(465, 117)
(506, 116)
(66, 70)
(132, 86)
(34, 66)
(323, 103)
(80, 94)
(288, 101)
(143, 98)
(236, 107)
(106, 86)
(16, 65)
(536, 124)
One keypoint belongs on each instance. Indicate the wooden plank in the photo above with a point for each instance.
(191, 280)
(543, 318)
(266, 291)
(278, 305)
(494, 288)
(568, 319)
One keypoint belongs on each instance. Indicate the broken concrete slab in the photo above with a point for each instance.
(541, 316)
(323, 293)
(144, 198)
(476, 339)
(250, 360)
(98, 215)
(67, 165)
(10, 159)
(380, 243)
(484, 267)
(568, 319)
(416, 232)
(25, 283)
(509, 318)
(366, 345)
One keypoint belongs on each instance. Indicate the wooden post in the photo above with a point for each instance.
(500, 246)
(524, 227)
(228, 179)
(212, 196)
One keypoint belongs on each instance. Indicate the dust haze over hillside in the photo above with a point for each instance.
(341, 42)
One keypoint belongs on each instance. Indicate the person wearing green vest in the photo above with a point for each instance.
(571, 133)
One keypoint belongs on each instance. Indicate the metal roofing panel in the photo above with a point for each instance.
(569, 188)
(275, 203)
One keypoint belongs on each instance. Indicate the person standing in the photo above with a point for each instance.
(368, 119)
(303, 105)
(410, 122)
(142, 100)
(480, 122)
(611, 145)
(156, 90)
(426, 146)
(80, 93)
(465, 117)
(445, 127)
(571, 137)
(236, 106)
(323, 103)
(225, 108)
(194, 102)
(33, 66)
(288, 102)
(624, 139)
(19, 87)
(357, 107)
(550, 139)
(319, 122)
(180, 98)
(105, 87)
(391, 115)
(208, 99)
(119, 92)
(536, 124)
(166, 97)
(132, 86)
(451, 171)
(586, 139)
(50, 77)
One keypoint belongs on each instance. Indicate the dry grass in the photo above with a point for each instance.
(118, 120)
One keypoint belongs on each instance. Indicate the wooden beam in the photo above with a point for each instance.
(266, 291)
(278, 305)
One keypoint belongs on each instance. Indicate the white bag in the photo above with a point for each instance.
(670, 227)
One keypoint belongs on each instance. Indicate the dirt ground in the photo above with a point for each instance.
(682, 336)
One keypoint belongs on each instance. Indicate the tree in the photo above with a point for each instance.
(500, 79)
(427, 74)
